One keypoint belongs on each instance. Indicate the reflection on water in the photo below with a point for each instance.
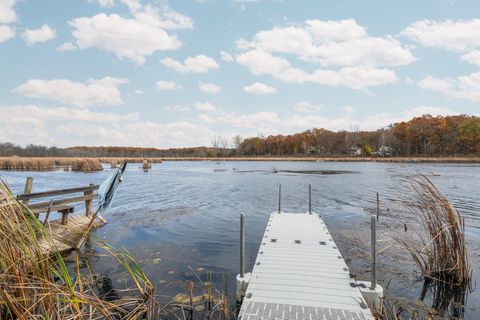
(445, 298)
(183, 216)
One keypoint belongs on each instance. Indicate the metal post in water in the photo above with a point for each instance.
(242, 245)
(378, 206)
(310, 198)
(373, 229)
(279, 198)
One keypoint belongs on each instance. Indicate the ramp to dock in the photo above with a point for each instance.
(300, 274)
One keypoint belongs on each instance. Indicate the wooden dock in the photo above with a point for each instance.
(68, 232)
(65, 237)
(299, 273)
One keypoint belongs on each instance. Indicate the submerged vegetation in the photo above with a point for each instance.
(36, 286)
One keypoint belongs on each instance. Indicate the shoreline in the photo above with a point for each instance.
(9, 163)
(332, 159)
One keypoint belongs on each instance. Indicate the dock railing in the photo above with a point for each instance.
(57, 200)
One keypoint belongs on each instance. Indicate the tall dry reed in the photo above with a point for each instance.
(36, 286)
(46, 164)
(442, 252)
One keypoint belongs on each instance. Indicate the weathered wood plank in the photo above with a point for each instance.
(45, 204)
(28, 187)
(65, 237)
(27, 195)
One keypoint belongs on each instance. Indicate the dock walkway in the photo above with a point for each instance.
(300, 274)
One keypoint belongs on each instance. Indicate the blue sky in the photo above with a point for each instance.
(177, 73)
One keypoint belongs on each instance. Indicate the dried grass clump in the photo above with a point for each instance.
(442, 255)
(35, 286)
(47, 164)
(86, 165)
(146, 165)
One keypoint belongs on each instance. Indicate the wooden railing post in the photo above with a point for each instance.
(88, 202)
(28, 189)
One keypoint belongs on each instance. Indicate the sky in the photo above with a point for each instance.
(178, 73)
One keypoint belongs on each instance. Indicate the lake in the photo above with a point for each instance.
(181, 219)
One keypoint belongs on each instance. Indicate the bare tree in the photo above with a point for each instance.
(216, 142)
(237, 141)
(223, 143)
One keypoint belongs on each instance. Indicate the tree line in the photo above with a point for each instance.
(426, 136)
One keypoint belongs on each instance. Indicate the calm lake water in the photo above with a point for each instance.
(187, 214)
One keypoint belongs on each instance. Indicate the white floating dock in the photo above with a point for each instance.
(300, 274)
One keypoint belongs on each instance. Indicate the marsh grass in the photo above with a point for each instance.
(36, 286)
(48, 164)
(441, 252)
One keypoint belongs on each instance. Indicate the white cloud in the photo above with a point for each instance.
(349, 110)
(198, 64)
(167, 86)
(306, 107)
(207, 119)
(259, 88)
(435, 84)
(264, 63)
(463, 87)
(67, 46)
(66, 126)
(205, 106)
(164, 18)
(209, 88)
(42, 34)
(227, 57)
(139, 92)
(106, 3)
(94, 92)
(42, 121)
(133, 5)
(131, 38)
(472, 57)
(331, 43)
(62, 113)
(177, 108)
(342, 44)
(460, 36)
(7, 12)
(6, 33)
(7, 16)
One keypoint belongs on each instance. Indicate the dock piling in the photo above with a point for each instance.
(28, 189)
(242, 278)
(310, 198)
(242, 245)
(279, 198)
(373, 228)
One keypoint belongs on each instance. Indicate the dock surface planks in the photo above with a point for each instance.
(66, 237)
(300, 274)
